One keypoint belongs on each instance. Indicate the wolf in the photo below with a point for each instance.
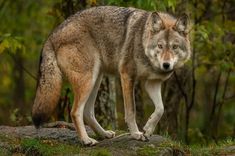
(131, 43)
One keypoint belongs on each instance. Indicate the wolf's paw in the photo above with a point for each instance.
(139, 136)
(148, 131)
(89, 141)
(109, 134)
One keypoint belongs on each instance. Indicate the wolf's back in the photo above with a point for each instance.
(49, 86)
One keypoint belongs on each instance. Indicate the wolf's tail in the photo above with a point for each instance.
(48, 87)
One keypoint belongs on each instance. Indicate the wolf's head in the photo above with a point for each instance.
(166, 41)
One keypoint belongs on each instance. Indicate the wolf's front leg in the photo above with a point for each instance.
(129, 104)
(153, 88)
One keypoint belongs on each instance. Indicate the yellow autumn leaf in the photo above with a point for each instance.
(4, 45)
(92, 2)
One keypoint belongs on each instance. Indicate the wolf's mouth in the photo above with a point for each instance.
(166, 71)
(161, 71)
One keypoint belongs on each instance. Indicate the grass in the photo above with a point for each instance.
(200, 150)
(148, 151)
(47, 148)
(4, 152)
(213, 149)
(101, 152)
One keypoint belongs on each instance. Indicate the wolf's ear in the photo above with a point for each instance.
(157, 23)
(181, 24)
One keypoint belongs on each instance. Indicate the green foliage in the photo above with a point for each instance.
(146, 4)
(212, 49)
(24, 26)
(10, 43)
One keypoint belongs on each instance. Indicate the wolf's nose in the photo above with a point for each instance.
(166, 65)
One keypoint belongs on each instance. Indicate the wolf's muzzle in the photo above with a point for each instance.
(166, 66)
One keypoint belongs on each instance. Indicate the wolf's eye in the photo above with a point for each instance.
(160, 46)
(175, 46)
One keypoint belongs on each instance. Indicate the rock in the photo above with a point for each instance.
(230, 149)
(118, 146)
(61, 134)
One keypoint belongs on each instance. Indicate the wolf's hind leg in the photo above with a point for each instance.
(81, 95)
(153, 88)
(82, 71)
(89, 114)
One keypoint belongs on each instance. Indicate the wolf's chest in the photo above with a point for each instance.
(163, 77)
(148, 74)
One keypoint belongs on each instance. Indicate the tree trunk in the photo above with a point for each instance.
(18, 78)
(105, 110)
(174, 94)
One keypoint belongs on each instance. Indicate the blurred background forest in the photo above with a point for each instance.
(199, 99)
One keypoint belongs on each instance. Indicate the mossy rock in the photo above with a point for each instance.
(27, 140)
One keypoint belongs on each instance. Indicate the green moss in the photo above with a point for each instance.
(205, 151)
(4, 152)
(47, 147)
(101, 152)
(8, 138)
(3, 138)
(213, 148)
(52, 147)
(198, 149)
(147, 151)
(174, 145)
